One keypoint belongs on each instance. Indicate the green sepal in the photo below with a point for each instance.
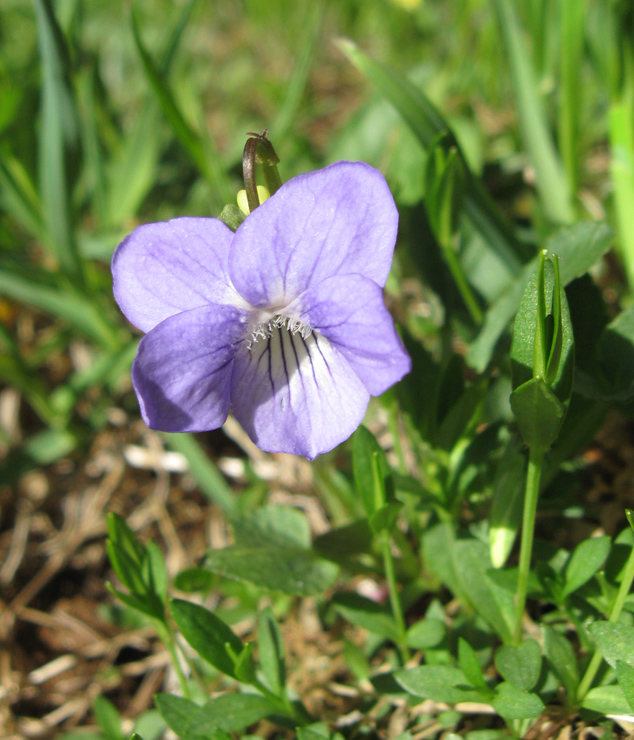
(542, 356)
(232, 216)
(539, 413)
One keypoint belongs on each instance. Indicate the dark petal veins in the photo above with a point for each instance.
(305, 407)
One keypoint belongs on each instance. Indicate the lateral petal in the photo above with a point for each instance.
(349, 310)
(182, 371)
(341, 219)
(166, 268)
(296, 394)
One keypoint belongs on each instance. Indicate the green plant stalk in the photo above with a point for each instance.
(463, 286)
(298, 714)
(572, 13)
(167, 638)
(395, 599)
(617, 608)
(551, 182)
(533, 476)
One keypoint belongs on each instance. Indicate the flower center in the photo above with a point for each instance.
(265, 329)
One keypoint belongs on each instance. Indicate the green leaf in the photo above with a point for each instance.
(615, 641)
(616, 352)
(226, 713)
(208, 635)
(245, 670)
(606, 700)
(437, 682)
(272, 549)
(124, 538)
(370, 469)
(426, 123)
(585, 561)
(539, 413)
(494, 603)
(140, 604)
(506, 505)
(108, 718)
(350, 539)
(625, 674)
(512, 703)
(426, 633)
(317, 731)
(542, 357)
(544, 302)
(271, 651)
(272, 525)
(562, 658)
(291, 571)
(128, 572)
(470, 664)
(155, 571)
(520, 665)
(58, 134)
(192, 580)
(579, 247)
(367, 614)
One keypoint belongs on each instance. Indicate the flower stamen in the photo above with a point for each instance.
(265, 329)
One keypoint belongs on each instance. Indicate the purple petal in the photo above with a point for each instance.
(166, 268)
(350, 312)
(182, 371)
(341, 219)
(295, 394)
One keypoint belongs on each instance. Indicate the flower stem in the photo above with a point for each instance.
(531, 495)
(395, 599)
(617, 608)
(167, 638)
(463, 286)
(259, 149)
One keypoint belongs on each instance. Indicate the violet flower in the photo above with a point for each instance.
(283, 322)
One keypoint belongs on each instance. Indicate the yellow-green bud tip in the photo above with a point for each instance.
(243, 203)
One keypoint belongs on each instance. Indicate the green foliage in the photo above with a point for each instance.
(143, 121)
(272, 549)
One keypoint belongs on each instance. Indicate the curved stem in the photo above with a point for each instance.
(395, 599)
(617, 608)
(533, 475)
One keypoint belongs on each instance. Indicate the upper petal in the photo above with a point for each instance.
(295, 394)
(341, 219)
(182, 371)
(165, 268)
(350, 311)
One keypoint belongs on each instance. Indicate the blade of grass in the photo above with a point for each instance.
(426, 123)
(551, 182)
(15, 371)
(572, 16)
(58, 128)
(207, 475)
(132, 171)
(200, 148)
(63, 303)
(621, 127)
(297, 83)
(95, 165)
(19, 196)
